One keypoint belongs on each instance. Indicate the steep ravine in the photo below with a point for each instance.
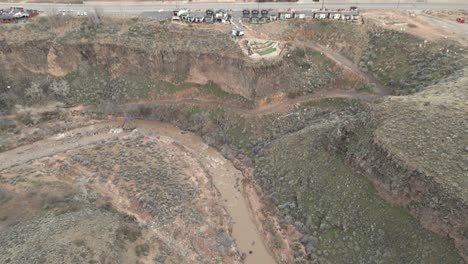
(414, 151)
(307, 175)
(342, 215)
(303, 71)
(314, 162)
(404, 185)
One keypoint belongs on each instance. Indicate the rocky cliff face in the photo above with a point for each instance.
(301, 163)
(413, 150)
(159, 54)
(235, 75)
(311, 162)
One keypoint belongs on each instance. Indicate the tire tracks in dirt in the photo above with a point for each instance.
(53, 145)
(272, 108)
(348, 65)
(340, 60)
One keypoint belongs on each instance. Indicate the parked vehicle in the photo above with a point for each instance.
(461, 20)
(180, 14)
(16, 14)
(238, 32)
(68, 12)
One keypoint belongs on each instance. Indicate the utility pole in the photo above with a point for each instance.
(398, 5)
(323, 3)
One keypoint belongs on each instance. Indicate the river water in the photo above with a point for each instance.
(224, 176)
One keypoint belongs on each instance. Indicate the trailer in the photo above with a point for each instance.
(334, 15)
(321, 15)
(286, 15)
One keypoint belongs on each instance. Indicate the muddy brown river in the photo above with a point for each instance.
(224, 176)
(222, 172)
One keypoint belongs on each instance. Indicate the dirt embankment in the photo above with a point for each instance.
(413, 150)
(392, 47)
(22, 59)
(134, 52)
(405, 185)
(429, 201)
(307, 210)
(399, 179)
(174, 66)
(102, 65)
(81, 178)
(235, 75)
(300, 207)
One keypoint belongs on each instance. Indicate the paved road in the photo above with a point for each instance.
(132, 8)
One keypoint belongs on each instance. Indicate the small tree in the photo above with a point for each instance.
(60, 88)
(34, 92)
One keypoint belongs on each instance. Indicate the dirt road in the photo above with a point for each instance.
(452, 28)
(272, 108)
(72, 139)
(340, 60)
(348, 65)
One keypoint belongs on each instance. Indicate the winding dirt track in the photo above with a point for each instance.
(348, 65)
(272, 108)
(245, 228)
(73, 139)
(52, 146)
(340, 60)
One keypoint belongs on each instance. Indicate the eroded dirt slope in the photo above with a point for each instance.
(116, 51)
(357, 178)
(173, 209)
(414, 150)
